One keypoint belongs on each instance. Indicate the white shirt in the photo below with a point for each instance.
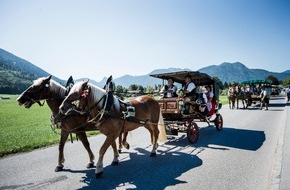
(169, 94)
(190, 86)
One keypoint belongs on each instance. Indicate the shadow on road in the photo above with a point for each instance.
(144, 172)
(231, 138)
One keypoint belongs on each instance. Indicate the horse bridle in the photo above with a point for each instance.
(46, 85)
(84, 94)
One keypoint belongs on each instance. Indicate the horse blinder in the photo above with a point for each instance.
(85, 92)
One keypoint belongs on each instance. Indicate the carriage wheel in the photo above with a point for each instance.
(192, 132)
(219, 122)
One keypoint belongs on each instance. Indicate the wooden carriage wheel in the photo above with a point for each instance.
(192, 132)
(219, 122)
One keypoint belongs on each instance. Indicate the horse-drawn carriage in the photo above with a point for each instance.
(252, 90)
(172, 108)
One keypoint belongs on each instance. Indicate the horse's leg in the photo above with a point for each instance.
(154, 132)
(123, 141)
(234, 102)
(237, 103)
(116, 154)
(83, 137)
(63, 138)
(120, 142)
(110, 140)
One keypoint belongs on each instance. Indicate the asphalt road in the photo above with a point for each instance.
(251, 152)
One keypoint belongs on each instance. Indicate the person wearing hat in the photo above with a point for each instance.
(169, 90)
(109, 87)
(189, 91)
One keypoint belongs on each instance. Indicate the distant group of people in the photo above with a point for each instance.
(189, 90)
(288, 93)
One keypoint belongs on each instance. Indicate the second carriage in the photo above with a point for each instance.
(172, 108)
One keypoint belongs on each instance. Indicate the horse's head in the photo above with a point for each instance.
(79, 92)
(36, 92)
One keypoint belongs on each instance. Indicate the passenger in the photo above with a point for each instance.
(203, 100)
(209, 95)
(169, 90)
(189, 92)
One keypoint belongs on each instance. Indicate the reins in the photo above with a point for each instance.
(45, 99)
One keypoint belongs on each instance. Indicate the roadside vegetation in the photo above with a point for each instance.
(24, 129)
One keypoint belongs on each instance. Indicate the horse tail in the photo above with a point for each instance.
(161, 127)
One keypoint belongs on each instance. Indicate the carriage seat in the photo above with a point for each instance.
(126, 109)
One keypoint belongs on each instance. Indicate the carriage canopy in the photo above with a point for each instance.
(259, 81)
(199, 79)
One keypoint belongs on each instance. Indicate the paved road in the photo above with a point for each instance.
(249, 153)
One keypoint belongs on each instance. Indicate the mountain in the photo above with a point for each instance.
(17, 74)
(237, 72)
(144, 80)
(287, 72)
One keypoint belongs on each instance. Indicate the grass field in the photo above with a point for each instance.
(24, 129)
(224, 100)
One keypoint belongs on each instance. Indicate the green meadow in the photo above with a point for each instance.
(23, 130)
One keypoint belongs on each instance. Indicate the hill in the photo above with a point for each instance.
(17, 74)
(237, 72)
(143, 80)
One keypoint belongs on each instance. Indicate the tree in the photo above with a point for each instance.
(119, 90)
(274, 80)
(286, 82)
(219, 82)
(226, 85)
(133, 87)
(149, 90)
(141, 88)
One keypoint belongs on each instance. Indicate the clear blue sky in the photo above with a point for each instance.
(94, 39)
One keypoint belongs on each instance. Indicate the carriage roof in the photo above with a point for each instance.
(197, 77)
(258, 81)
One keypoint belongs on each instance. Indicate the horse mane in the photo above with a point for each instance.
(57, 88)
(54, 86)
(96, 93)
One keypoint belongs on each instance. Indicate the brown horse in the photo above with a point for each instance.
(91, 99)
(47, 89)
(231, 98)
(240, 95)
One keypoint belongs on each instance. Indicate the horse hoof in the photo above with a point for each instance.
(120, 151)
(152, 154)
(114, 163)
(98, 175)
(58, 168)
(90, 165)
(127, 146)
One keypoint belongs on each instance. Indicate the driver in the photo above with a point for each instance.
(109, 87)
(189, 91)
